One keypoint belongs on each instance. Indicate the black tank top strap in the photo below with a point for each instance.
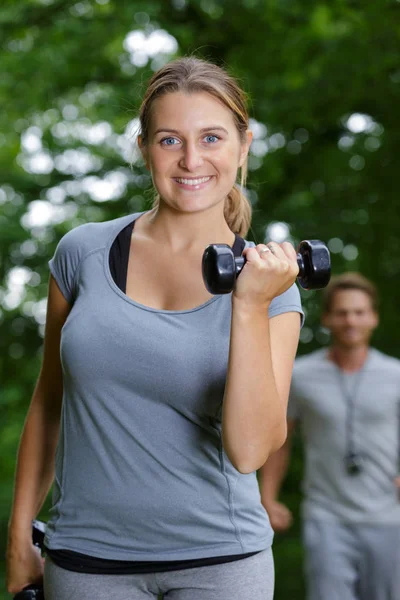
(119, 254)
(238, 245)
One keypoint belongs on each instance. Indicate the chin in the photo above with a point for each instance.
(197, 205)
(353, 343)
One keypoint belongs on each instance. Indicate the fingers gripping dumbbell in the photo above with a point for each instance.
(220, 266)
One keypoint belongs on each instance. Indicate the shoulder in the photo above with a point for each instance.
(79, 243)
(307, 370)
(384, 362)
(308, 363)
(289, 301)
(88, 237)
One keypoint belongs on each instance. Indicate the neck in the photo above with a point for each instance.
(179, 232)
(348, 359)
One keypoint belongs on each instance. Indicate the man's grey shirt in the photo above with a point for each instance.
(140, 469)
(319, 402)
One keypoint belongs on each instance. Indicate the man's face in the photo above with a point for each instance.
(351, 319)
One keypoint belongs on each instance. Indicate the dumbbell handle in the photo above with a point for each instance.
(240, 261)
(221, 267)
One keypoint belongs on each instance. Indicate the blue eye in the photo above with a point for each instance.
(211, 138)
(169, 141)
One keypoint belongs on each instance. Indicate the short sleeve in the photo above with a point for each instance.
(289, 301)
(65, 262)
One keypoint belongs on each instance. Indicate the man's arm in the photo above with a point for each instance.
(271, 477)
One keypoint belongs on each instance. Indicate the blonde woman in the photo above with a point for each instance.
(166, 400)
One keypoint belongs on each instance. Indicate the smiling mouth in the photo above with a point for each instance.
(193, 182)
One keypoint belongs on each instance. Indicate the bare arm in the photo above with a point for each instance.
(273, 472)
(35, 462)
(271, 476)
(261, 360)
(261, 357)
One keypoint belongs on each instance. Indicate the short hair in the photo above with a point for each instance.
(349, 281)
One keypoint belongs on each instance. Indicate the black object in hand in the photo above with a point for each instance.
(34, 592)
(30, 593)
(220, 266)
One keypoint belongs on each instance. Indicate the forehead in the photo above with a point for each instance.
(351, 300)
(182, 112)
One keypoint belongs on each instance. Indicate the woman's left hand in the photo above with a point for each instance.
(269, 271)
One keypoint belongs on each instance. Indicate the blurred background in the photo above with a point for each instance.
(324, 84)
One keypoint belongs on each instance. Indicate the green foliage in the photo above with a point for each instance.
(307, 67)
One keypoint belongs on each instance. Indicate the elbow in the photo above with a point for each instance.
(252, 460)
(244, 462)
(246, 469)
(279, 438)
(249, 466)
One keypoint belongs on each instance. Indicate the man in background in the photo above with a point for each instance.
(347, 399)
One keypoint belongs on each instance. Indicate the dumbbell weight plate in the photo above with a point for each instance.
(314, 263)
(219, 268)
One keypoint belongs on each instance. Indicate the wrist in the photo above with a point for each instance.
(269, 498)
(249, 307)
(20, 531)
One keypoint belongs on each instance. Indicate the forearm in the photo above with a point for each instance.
(254, 414)
(273, 473)
(35, 463)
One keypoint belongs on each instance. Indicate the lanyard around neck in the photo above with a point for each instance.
(350, 396)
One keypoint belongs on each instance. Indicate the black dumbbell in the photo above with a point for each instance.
(34, 592)
(220, 266)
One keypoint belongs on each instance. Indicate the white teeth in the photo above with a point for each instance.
(192, 181)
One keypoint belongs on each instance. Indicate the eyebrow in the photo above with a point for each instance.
(213, 127)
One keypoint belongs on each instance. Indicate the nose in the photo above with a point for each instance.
(191, 158)
(350, 320)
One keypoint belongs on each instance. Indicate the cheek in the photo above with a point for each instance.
(159, 163)
(228, 162)
(370, 324)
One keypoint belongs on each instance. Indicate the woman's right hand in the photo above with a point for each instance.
(35, 464)
(24, 566)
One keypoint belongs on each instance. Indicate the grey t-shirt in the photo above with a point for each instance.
(318, 400)
(140, 469)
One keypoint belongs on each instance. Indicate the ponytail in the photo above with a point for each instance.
(237, 212)
(237, 209)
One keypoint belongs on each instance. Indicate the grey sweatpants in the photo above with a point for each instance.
(247, 579)
(351, 562)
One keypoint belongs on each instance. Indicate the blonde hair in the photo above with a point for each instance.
(191, 75)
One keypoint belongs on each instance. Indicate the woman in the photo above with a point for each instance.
(169, 399)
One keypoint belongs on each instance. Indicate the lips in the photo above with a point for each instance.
(197, 181)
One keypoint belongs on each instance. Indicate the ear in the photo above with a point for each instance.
(143, 150)
(375, 319)
(325, 320)
(245, 147)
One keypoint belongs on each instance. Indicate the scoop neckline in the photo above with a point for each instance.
(106, 266)
(349, 374)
